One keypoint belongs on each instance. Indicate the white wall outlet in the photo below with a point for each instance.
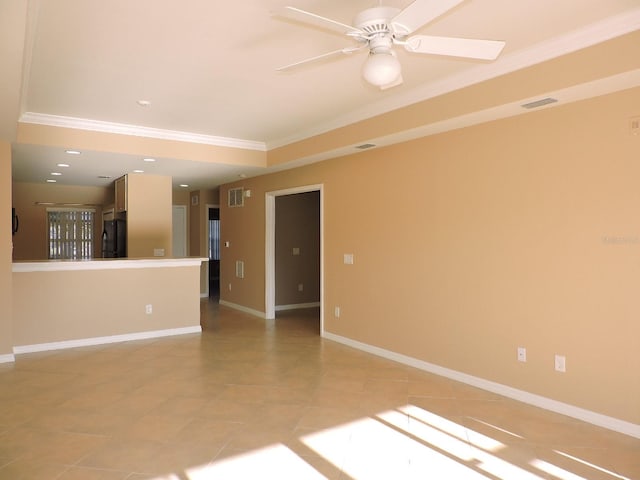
(300, 287)
(229, 287)
(561, 363)
(227, 244)
(336, 312)
(158, 252)
(296, 250)
(522, 354)
(348, 258)
(148, 309)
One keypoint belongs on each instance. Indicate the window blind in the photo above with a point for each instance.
(70, 233)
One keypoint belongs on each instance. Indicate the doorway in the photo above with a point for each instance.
(213, 248)
(270, 248)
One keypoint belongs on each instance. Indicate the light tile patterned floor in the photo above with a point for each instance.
(272, 400)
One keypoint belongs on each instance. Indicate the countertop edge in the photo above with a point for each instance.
(104, 264)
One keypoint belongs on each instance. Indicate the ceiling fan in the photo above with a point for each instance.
(381, 28)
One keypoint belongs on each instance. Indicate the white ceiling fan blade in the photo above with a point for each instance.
(419, 13)
(342, 51)
(302, 15)
(455, 47)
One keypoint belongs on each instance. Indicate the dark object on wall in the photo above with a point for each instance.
(114, 239)
(15, 222)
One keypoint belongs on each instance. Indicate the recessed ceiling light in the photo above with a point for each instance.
(56, 174)
(144, 103)
(51, 180)
(73, 152)
(138, 171)
(148, 159)
(184, 185)
(63, 165)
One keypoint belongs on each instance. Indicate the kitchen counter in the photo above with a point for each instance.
(105, 264)
(64, 304)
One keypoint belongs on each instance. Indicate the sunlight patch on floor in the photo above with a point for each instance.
(554, 470)
(377, 451)
(495, 427)
(408, 442)
(275, 461)
(452, 428)
(591, 465)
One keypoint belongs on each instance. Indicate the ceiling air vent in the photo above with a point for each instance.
(539, 103)
(364, 146)
(236, 197)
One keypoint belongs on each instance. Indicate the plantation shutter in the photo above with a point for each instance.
(70, 233)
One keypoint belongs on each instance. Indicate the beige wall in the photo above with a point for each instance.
(149, 215)
(519, 232)
(74, 305)
(6, 309)
(297, 225)
(31, 241)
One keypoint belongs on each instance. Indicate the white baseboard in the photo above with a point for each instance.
(611, 423)
(87, 342)
(296, 306)
(7, 358)
(241, 308)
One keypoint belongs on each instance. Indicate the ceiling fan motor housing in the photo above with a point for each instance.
(375, 21)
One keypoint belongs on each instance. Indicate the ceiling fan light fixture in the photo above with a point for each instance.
(381, 69)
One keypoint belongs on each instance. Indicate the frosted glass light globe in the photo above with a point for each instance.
(381, 69)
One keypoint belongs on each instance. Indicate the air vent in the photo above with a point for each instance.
(364, 146)
(539, 103)
(236, 197)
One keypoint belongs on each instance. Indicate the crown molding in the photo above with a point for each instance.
(138, 131)
(588, 36)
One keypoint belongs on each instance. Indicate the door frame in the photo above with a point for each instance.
(270, 248)
(208, 237)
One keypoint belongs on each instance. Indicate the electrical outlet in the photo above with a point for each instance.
(348, 259)
(336, 312)
(148, 309)
(229, 287)
(522, 354)
(300, 287)
(561, 363)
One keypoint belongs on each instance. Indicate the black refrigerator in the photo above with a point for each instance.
(114, 239)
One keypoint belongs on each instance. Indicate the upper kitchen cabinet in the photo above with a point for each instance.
(121, 194)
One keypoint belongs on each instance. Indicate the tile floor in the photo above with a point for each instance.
(255, 399)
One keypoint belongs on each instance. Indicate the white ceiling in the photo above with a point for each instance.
(208, 68)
